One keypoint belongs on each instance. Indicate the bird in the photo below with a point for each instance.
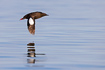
(31, 20)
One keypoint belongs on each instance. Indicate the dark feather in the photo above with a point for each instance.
(31, 29)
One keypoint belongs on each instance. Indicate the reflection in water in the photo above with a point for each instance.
(31, 44)
(31, 54)
(31, 60)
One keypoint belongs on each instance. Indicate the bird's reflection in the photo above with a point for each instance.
(31, 44)
(31, 54)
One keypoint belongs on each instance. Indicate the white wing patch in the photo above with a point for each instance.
(31, 22)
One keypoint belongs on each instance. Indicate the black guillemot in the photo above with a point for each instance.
(31, 20)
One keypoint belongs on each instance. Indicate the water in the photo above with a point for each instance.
(72, 37)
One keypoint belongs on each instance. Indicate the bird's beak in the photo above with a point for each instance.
(21, 19)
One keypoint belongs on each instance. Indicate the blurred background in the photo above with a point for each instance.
(72, 37)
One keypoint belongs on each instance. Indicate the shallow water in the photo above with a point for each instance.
(72, 37)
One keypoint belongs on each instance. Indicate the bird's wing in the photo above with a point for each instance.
(31, 29)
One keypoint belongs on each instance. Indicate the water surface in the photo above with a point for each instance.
(72, 37)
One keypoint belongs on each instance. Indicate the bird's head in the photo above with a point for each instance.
(25, 17)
